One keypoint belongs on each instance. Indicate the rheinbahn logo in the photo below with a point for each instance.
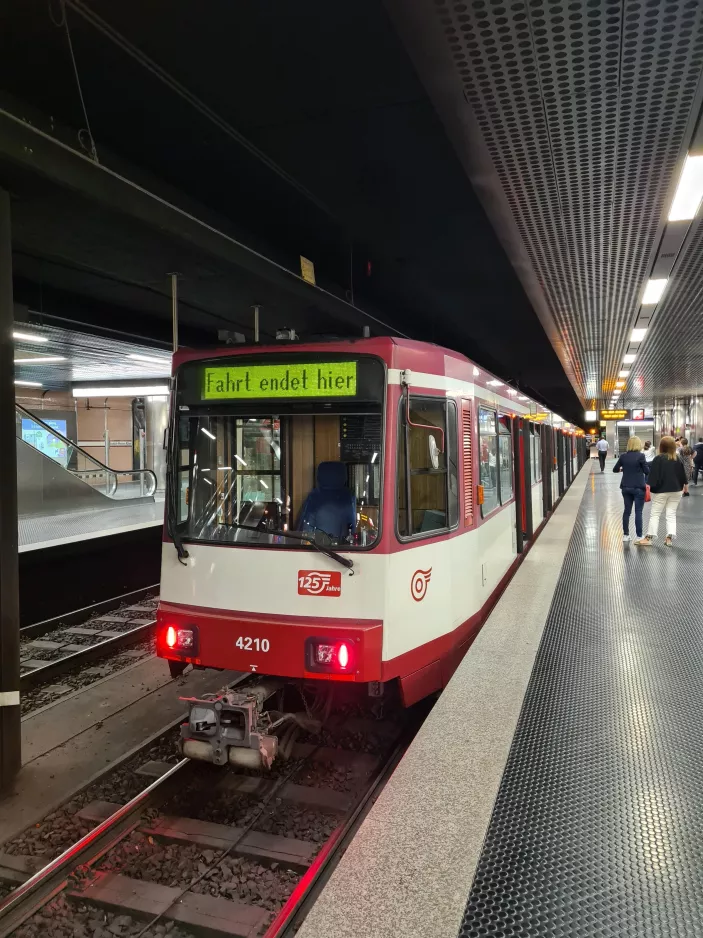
(319, 583)
(418, 584)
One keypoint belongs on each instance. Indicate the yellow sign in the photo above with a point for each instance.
(613, 414)
(307, 269)
(540, 416)
(244, 382)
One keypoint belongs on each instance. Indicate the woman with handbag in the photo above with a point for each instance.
(666, 479)
(635, 469)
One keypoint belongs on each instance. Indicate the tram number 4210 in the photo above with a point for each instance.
(252, 644)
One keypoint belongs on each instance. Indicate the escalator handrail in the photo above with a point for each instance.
(54, 432)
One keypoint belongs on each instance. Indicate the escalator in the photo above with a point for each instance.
(55, 474)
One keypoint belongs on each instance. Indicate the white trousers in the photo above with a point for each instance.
(668, 502)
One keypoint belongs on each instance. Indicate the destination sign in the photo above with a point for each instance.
(247, 382)
(614, 414)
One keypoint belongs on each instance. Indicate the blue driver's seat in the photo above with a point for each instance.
(331, 506)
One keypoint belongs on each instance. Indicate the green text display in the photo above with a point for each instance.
(246, 382)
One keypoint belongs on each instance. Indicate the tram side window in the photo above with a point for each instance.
(427, 467)
(488, 458)
(536, 450)
(505, 452)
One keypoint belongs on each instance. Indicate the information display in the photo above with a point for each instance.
(248, 382)
(41, 439)
(614, 414)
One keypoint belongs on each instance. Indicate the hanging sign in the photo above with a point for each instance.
(614, 414)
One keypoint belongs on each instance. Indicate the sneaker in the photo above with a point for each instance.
(668, 541)
(626, 538)
(645, 541)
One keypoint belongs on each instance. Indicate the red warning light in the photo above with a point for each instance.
(171, 637)
(343, 655)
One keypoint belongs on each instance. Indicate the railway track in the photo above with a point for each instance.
(206, 851)
(56, 647)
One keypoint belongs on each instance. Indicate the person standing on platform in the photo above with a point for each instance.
(686, 457)
(666, 481)
(697, 459)
(635, 469)
(602, 447)
(649, 451)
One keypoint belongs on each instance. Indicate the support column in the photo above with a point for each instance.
(10, 754)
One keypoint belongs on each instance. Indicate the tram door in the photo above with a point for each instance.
(522, 481)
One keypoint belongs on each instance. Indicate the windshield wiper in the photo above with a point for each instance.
(296, 536)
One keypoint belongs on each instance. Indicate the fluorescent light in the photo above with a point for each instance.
(261, 482)
(689, 190)
(28, 384)
(619, 384)
(209, 482)
(28, 337)
(623, 374)
(221, 467)
(523, 398)
(653, 291)
(590, 416)
(638, 335)
(496, 384)
(476, 372)
(150, 358)
(40, 360)
(628, 359)
(373, 458)
(207, 433)
(239, 459)
(122, 391)
(512, 392)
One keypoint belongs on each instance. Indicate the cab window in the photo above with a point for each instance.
(427, 491)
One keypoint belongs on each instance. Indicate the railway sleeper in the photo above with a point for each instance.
(266, 849)
(206, 916)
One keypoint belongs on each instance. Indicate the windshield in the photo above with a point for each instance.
(317, 474)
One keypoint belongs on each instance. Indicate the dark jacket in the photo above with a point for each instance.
(666, 475)
(698, 453)
(635, 469)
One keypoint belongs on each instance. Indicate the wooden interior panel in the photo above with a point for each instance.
(302, 461)
(326, 438)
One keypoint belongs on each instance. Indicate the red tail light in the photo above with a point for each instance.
(182, 641)
(330, 655)
(343, 655)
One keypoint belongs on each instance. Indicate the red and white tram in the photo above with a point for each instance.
(346, 511)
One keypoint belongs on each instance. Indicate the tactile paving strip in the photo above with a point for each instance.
(597, 829)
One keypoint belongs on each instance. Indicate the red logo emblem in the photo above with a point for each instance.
(319, 583)
(418, 584)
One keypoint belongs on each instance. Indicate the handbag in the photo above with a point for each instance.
(647, 493)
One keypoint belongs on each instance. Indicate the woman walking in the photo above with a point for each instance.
(666, 480)
(686, 457)
(649, 451)
(635, 469)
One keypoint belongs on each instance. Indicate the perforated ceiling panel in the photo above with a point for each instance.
(84, 357)
(585, 109)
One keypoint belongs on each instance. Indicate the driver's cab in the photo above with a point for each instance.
(249, 472)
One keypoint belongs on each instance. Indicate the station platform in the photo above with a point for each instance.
(37, 532)
(556, 788)
(70, 560)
